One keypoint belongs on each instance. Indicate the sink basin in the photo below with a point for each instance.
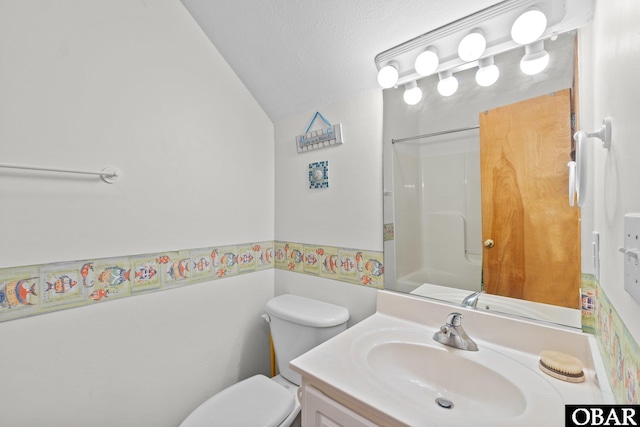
(455, 387)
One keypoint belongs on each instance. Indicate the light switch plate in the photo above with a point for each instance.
(631, 252)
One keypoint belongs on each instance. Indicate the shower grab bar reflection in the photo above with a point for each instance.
(429, 135)
(109, 174)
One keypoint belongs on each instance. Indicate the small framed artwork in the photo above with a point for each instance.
(319, 175)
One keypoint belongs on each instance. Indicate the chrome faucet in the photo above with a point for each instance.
(472, 300)
(453, 335)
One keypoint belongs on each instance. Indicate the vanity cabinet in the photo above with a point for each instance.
(319, 410)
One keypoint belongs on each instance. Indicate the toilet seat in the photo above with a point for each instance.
(256, 401)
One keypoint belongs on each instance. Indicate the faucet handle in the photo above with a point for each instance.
(454, 319)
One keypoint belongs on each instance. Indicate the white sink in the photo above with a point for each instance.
(389, 369)
(466, 388)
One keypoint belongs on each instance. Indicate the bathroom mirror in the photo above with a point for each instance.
(436, 224)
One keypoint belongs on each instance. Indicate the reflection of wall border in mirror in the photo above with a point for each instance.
(388, 232)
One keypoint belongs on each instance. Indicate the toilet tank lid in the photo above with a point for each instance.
(307, 311)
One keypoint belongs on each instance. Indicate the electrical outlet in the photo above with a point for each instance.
(631, 252)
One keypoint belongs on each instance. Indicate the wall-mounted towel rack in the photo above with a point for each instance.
(109, 174)
(578, 169)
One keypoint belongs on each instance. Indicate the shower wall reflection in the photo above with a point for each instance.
(444, 231)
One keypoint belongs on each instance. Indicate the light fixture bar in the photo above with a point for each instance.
(496, 22)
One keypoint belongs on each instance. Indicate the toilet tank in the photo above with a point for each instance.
(299, 324)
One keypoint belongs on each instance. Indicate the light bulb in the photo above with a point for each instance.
(388, 75)
(448, 84)
(535, 59)
(412, 93)
(487, 73)
(472, 46)
(427, 62)
(529, 26)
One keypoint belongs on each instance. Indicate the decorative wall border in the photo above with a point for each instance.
(356, 266)
(619, 350)
(39, 289)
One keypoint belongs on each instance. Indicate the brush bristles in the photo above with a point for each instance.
(561, 362)
(566, 367)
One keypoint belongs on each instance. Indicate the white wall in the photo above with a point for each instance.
(348, 214)
(609, 70)
(143, 361)
(137, 85)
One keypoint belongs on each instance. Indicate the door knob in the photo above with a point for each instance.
(489, 243)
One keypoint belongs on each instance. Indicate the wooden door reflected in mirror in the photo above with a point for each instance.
(535, 234)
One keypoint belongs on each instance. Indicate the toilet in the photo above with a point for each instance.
(297, 325)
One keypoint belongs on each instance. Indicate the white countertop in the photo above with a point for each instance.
(334, 368)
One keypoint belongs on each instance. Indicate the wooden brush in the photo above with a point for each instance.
(561, 366)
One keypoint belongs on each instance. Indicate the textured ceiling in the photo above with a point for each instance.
(297, 55)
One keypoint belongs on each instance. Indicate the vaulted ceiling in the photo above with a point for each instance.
(297, 55)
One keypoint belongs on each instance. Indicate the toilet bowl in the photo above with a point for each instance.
(297, 325)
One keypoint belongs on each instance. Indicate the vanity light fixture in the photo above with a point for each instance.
(448, 84)
(412, 93)
(535, 58)
(529, 26)
(388, 75)
(465, 42)
(488, 72)
(427, 62)
(472, 46)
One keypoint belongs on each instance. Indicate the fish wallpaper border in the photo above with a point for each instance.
(356, 266)
(619, 350)
(38, 289)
